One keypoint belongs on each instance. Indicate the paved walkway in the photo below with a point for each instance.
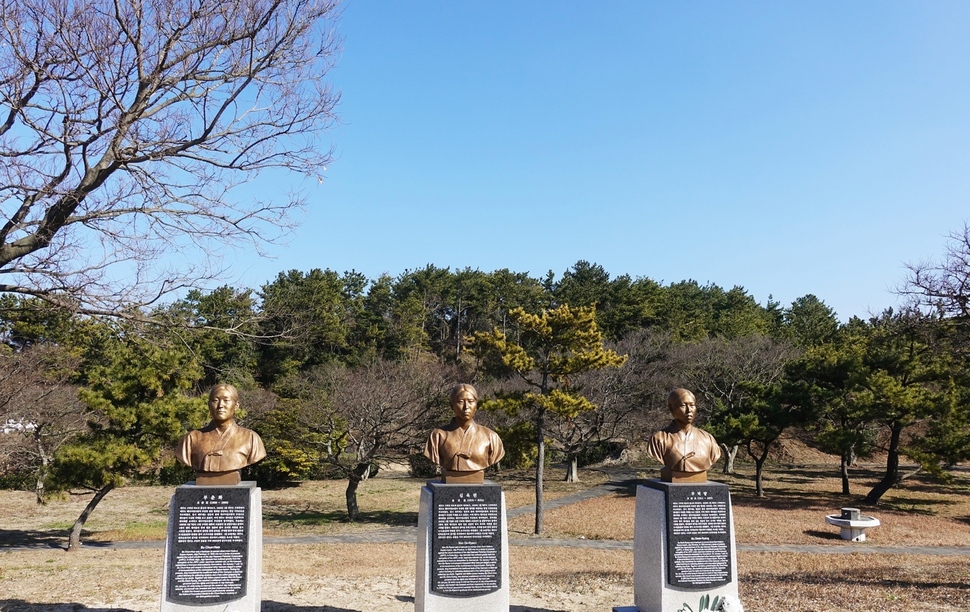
(409, 535)
(620, 481)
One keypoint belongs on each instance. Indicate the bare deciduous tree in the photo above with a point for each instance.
(944, 286)
(630, 400)
(720, 371)
(125, 126)
(39, 410)
(374, 413)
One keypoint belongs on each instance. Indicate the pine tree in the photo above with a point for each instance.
(547, 351)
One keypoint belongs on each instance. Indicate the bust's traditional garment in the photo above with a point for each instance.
(209, 450)
(464, 450)
(693, 450)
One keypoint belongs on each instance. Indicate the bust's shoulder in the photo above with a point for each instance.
(487, 431)
(194, 434)
(443, 430)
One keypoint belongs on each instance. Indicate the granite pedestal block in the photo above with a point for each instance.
(852, 523)
(462, 549)
(683, 550)
(214, 549)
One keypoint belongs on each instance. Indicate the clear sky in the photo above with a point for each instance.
(786, 147)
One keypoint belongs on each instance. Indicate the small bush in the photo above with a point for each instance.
(600, 451)
(421, 467)
(174, 473)
(17, 480)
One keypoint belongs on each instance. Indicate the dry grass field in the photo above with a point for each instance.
(344, 577)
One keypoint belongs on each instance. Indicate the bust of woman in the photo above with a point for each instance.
(463, 448)
(220, 449)
(686, 452)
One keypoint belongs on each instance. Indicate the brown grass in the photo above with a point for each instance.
(920, 513)
(783, 581)
(139, 513)
(543, 579)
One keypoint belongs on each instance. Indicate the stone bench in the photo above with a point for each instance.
(853, 524)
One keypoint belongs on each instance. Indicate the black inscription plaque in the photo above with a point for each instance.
(466, 544)
(698, 534)
(208, 545)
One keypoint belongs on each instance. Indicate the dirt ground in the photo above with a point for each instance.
(315, 577)
(380, 577)
(372, 577)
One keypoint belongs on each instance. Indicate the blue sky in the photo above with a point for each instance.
(786, 147)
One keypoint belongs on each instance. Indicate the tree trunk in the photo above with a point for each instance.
(729, 455)
(844, 471)
(74, 541)
(759, 488)
(572, 469)
(891, 476)
(42, 471)
(759, 466)
(39, 488)
(353, 511)
(540, 472)
(458, 333)
(353, 481)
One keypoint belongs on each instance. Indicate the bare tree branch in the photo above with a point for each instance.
(944, 286)
(128, 124)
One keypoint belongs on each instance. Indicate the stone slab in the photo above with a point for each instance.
(214, 549)
(462, 555)
(680, 549)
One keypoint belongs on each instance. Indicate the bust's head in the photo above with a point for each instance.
(682, 406)
(464, 402)
(223, 402)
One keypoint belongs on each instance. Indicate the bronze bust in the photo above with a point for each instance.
(686, 452)
(463, 448)
(220, 449)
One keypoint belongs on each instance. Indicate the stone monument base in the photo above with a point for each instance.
(477, 477)
(214, 549)
(462, 549)
(684, 552)
(220, 479)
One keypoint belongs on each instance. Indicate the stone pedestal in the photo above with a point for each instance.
(683, 551)
(214, 550)
(852, 523)
(462, 549)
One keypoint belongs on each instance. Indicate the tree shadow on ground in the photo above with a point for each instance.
(962, 519)
(313, 517)
(16, 538)
(626, 487)
(19, 605)
(275, 606)
(793, 500)
(781, 499)
(825, 535)
(410, 599)
(913, 505)
(860, 577)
